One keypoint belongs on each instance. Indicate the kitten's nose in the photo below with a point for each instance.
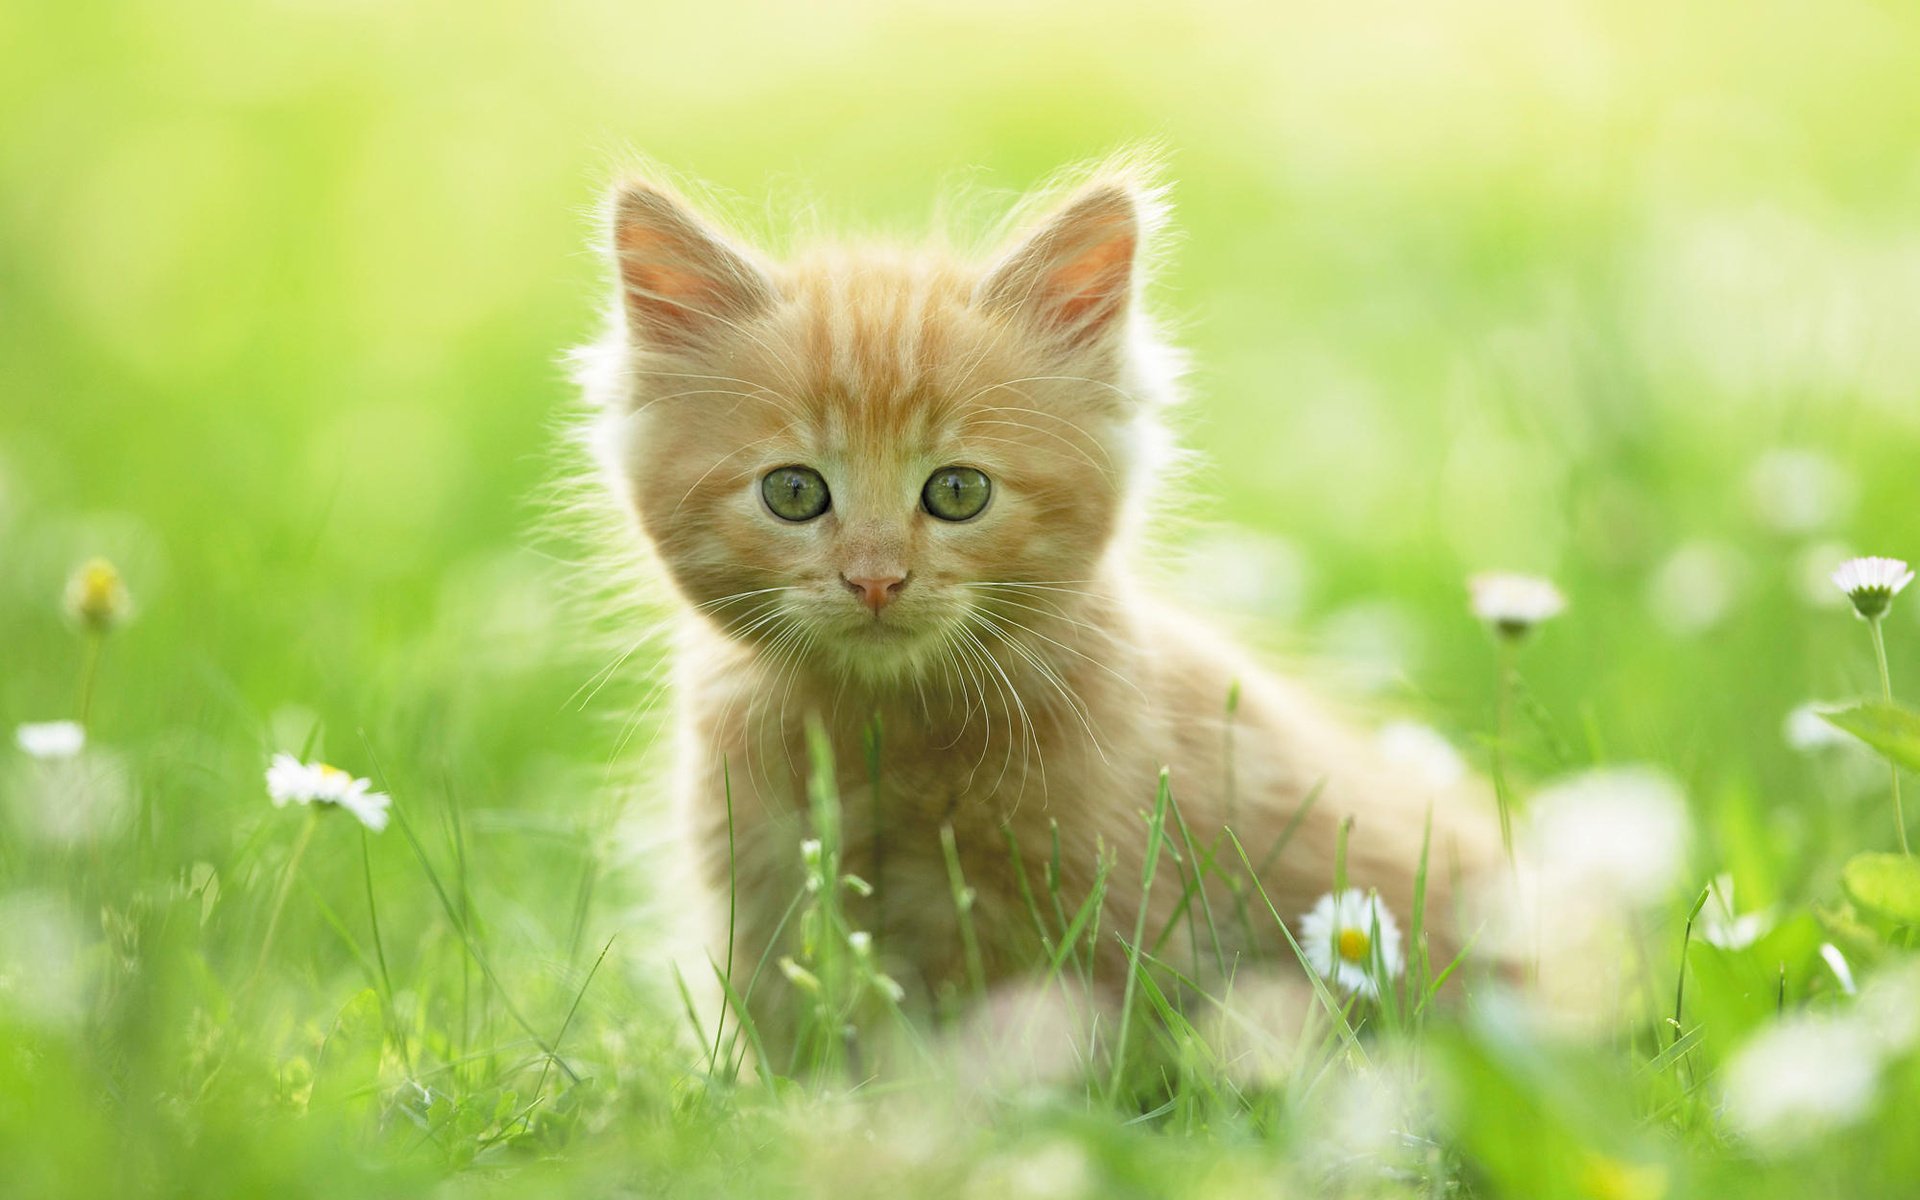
(876, 592)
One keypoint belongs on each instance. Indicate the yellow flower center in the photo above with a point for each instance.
(332, 774)
(1355, 945)
(96, 595)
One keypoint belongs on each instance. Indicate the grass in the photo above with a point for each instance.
(1466, 288)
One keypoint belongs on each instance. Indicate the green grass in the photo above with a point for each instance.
(284, 289)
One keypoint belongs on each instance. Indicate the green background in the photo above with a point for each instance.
(284, 292)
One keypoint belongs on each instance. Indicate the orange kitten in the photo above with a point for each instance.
(905, 483)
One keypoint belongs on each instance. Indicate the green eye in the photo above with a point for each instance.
(956, 493)
(795, 493)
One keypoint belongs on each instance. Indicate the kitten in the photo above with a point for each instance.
(904, 484)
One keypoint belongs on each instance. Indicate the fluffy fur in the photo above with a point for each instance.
(1023, 678)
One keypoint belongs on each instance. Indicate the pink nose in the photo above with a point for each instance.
(876, 593)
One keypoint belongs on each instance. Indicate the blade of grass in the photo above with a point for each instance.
(1417, 926)
(733, 907)
(1156, 834)
(1026, 890)
(380, 951)
(1082, 918)
(1325, 997)
(963, 897)
(743, 1021)
(453, 916)
(566, 1023)
(1200, 869)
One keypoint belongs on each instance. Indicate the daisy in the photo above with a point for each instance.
(1872, 583)
(51, 740)
(290, 781)
(97, 596)
(1349, 935)
(1514, 604)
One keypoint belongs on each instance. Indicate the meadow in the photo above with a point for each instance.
(1620, 295)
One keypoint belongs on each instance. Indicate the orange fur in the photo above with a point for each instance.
(1023, 680)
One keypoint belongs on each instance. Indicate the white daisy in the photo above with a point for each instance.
(50, 740)
(290, 781)
(1352, 940)
(1513, 604)
(1872, 583)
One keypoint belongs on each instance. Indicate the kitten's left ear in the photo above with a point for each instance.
(680, 279)
(1073, 279)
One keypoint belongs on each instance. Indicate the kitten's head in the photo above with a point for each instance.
(852, 451)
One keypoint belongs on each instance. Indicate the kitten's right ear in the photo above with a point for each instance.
(679, 279)
(1073, 278)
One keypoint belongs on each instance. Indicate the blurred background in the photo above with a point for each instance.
(1619, 293)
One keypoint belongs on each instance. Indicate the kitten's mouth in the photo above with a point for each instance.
(882, 630)
(887, 632)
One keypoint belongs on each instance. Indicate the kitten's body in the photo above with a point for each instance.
(1154, 688)
(1022, 680)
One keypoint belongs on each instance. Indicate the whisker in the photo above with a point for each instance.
(1074, 703)
(1028, 629)
(706, 604)
(1080, 450)
(1007, 692)
(604, 675)
(1013, 384)
(965, 657)
(1031, 736)
(738, 450)
(703, 392)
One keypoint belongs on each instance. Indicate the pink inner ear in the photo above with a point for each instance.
(671, 302)
(678, 281)
(1073, 278)
(666, 299)
(1090, 290)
